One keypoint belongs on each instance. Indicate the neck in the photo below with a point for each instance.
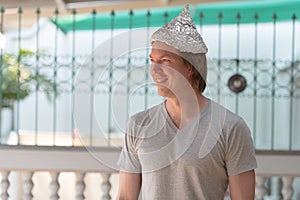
(185, 109)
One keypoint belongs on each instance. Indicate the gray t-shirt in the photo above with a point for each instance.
(189, 163)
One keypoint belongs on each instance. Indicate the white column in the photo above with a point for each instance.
(260, 188)
(105, 186)
(54, 186)
(287, 187)
(79, 186)
(27, 185)
(4, 185)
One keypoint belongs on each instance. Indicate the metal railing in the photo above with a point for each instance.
(93, 90)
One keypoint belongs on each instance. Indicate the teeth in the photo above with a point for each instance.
(160, 79)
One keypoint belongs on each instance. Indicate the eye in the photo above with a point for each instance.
(165, 60)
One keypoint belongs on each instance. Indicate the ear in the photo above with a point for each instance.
(190, 69)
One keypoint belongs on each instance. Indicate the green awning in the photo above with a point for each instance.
(207, 14)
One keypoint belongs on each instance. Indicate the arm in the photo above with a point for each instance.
(129, 186)
(242, 186)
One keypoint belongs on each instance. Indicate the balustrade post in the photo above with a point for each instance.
(27, 185)
(287, 187)
(106, 186)
(79, 186)
(260, 188)
(54, 186)
(275, 187)
(4, 185)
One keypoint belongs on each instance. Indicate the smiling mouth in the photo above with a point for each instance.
(160, 80)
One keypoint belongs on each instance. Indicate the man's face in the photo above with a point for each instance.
(168, 70)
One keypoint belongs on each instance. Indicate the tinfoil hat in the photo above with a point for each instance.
(181, 33)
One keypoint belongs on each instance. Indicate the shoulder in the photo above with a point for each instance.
(229, 122)
(227, 118)
(235, 129)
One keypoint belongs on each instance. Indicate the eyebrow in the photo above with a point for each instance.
(167, 54)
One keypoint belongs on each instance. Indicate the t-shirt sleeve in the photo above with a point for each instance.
(240, 153)
(129, 160)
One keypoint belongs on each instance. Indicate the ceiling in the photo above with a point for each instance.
(66, 7)
(101, 5)
(249, 12)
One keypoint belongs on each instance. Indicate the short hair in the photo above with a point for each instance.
(198, 65)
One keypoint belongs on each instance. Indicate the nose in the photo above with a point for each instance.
(155, 67)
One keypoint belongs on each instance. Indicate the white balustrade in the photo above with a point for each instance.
(4, 185)
(54, 186)
(27, 185)
(260, 188)
(287, 188)
(56, 161)
(79, 186)
(106, 186)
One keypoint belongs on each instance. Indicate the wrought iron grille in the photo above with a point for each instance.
(112, 88)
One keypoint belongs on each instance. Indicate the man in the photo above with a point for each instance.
(188, 147)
